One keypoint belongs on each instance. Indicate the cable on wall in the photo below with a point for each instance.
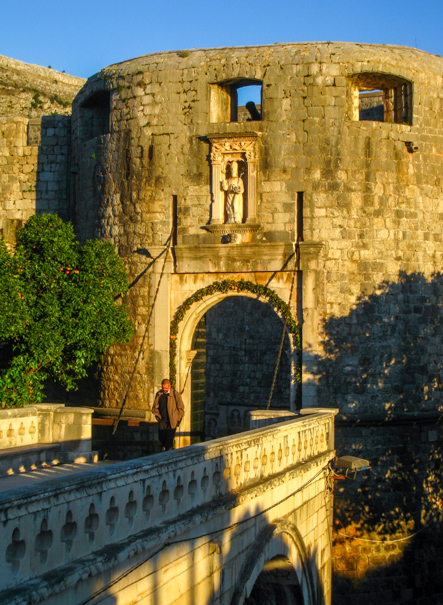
(167, 248)
(294, 274)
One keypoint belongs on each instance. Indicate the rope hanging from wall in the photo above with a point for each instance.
(165, 252)
(224, 286)
(294, 274)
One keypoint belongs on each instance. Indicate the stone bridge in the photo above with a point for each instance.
(240, 519)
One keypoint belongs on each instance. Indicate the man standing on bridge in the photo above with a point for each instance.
(169, 410)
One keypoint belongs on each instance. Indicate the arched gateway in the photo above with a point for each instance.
(342, 154)
(264, 315)
(277, 569)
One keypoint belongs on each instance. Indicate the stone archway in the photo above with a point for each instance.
(243, 338)
(277, 584)
(279, 546)
(188, 316)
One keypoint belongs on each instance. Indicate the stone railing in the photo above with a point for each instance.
(66, 520)
(25, 431)
(46, 423)
(260, 418)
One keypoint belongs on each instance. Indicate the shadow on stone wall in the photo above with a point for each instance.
(52, 134)
(277, 581)
(385, 355)
(383, 370)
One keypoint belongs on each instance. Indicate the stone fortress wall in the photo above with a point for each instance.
(363, 199)
(367, 200)
(35, 139)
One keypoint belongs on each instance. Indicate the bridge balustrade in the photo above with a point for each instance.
(69, 524)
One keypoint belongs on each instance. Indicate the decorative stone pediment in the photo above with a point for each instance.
(233, 160)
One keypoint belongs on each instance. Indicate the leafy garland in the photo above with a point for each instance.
(239, 286)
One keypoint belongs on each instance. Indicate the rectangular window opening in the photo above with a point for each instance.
(382, 98)
(174, 220)
(371, 105)
(236, 101)
(299, 231)
(95, 115)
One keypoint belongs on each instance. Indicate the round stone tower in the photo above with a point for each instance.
(319, 160)
(341, 153)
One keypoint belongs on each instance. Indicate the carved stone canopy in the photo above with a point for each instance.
(226, 150)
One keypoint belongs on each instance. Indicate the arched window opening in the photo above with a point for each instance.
(381, 98)
(95, 115)
(236, 101)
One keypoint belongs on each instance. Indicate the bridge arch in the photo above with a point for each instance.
(191, 311)
(279, 541)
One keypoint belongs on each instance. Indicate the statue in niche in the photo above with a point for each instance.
(234, 195)
(211, 431)
(234, 418)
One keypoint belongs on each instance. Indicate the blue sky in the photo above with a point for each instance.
(83, 36)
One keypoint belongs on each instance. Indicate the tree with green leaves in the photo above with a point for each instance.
(60, 308)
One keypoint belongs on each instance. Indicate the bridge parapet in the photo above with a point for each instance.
(69, 524)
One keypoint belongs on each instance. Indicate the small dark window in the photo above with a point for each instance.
(94, 115)
(299, 231)
(236, 101)
(381, 98)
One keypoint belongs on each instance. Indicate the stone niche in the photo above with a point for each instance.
(233, 161)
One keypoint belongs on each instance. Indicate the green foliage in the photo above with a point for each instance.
(58, 310)
(239, 286)
(36, 102)
(59, 100)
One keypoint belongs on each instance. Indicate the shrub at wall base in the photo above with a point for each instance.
(60, 308)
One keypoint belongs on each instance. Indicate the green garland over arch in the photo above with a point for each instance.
(239, 286)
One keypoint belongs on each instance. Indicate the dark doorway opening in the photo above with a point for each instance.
(277, 584)
(237, 343)
(198, 381)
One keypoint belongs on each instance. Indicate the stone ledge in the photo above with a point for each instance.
(213, 258)
(310, 250)
(22, 459)
(370, 420)
(228, 228)
(45, 423)
(260, 418)
(235, 135)
(114, 413)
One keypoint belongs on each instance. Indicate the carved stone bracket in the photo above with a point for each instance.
(227, 148)
(235, 228)
(189, 357)
(232, 233)
(310, 251)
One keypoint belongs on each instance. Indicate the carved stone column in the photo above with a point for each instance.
(310, 253)
(159, 329)
(217, 207)
(251, 158)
